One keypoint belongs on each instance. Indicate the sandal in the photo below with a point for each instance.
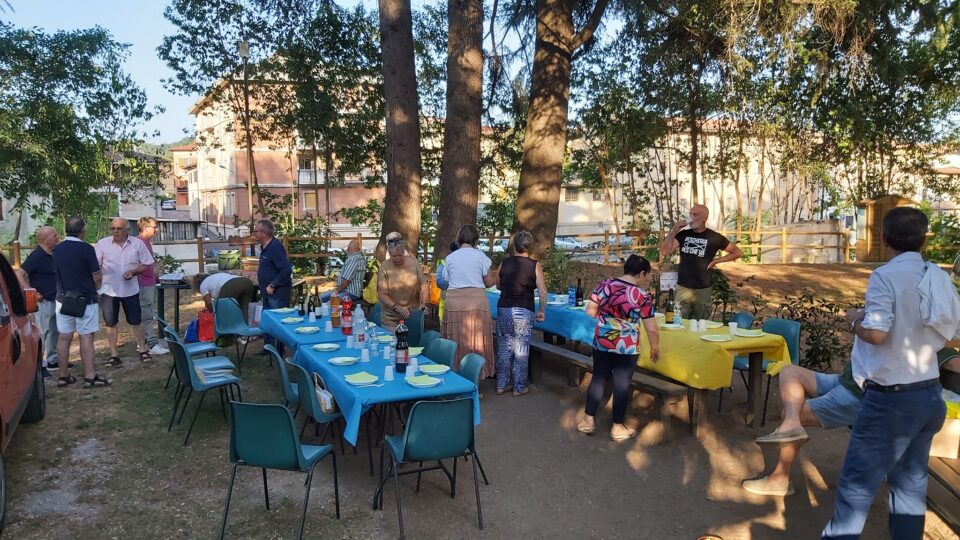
(502, 390)
(66, 381)
(95, 382)
(584, 427)
(145, 357)
(114, 361)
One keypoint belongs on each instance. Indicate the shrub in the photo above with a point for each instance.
(556, 269)
(822, 329)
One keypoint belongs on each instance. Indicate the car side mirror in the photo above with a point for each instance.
(32, 298)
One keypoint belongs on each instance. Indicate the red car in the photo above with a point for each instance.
(22, 396)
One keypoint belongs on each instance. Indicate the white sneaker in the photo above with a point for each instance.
(158, 350)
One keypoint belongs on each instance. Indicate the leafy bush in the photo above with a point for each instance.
(556, 269)
(168, 264)
(822, 329)
(727, 298)
(944, 245)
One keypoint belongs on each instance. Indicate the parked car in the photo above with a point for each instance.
(499, 246)
(23, 398)
(568, 243)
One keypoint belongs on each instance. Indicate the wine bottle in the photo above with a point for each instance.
(579, 293)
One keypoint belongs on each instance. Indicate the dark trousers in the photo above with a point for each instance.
(607, 365)
(242, 290)
(891, 438)
(279, 299)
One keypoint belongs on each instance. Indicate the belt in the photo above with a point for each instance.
(922, 385)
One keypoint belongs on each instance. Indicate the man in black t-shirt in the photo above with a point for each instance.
(698, 247)
(39, 272)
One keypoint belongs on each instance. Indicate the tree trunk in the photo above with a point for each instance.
(460, 164)
(544, 143)
(402, 203)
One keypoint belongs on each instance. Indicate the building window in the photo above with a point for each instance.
(572, 195)
(230, 204)
(309, 201)
(306, 164)
(598, 195)
(753, 204)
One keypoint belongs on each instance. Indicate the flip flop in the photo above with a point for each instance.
(66, 381)
(96, 382)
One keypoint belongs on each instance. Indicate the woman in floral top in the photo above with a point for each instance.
(619, 305)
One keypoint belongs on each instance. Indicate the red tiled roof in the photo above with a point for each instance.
(185, 148)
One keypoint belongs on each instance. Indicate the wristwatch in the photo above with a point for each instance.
(853, 325)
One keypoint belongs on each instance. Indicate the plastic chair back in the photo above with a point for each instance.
(470, 367)
(162, 321)
(172, 334)
(227, 318)
(263, 435)
(428, 338)
(438, 430)
(288, 393)
(743, 319)
(183, 365)
(442, 351)
(374, 315)
(415, 325)
(790, 330)
(308, 396)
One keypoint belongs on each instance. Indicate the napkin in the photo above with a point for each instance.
(361, 378)
(422, 380)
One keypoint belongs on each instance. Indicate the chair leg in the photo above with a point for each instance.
(480, 464)
(176, 405)
(369, 447)
(306, 499)
(743, 377)
(339, 435)
(378, 494)
(476, 490)
(226, 508)
(396, 487)
(766, 399)
(453, 480)
(239, 393)
(336, 484)
(223, 407)
(170, 375)
(297, 410)
(304, 428)
(187, 402)
(195, 414)
(720, 404)
(419, 474)
(266, 495)
(326, 428)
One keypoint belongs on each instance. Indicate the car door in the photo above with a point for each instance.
(18, 344)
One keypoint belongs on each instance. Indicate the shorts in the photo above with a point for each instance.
(110, 305)
(89, 323)
(835, 406)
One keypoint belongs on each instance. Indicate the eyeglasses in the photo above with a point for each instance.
(395, 242)
(118, 228)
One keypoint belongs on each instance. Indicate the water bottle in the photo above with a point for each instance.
(572, 295)
(677, 313)
(359, 320)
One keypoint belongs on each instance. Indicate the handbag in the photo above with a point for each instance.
(205, 326)
(73, 304)
(324, 396)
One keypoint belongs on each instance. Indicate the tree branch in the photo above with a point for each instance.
(592, 23)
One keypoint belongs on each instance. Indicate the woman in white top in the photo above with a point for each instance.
(224, 285)
(466, 317)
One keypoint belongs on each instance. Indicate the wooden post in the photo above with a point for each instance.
(783, 245)
(16, 254)
(286, 243)
(606, 247)
(490, 246)
(201, 260)
(846, 249)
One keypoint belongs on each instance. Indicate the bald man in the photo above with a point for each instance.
(350, 278)
(122, 258)
(698, 247)
(40, 272)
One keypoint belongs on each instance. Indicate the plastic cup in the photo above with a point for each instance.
(312, 317)
(733, 328)
(349, 342)
(318, 311)
(388, 373)
(387, 352)
(328, 327)
(364, 355)
(412, 367)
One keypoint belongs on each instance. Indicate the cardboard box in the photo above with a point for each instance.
(946, 443)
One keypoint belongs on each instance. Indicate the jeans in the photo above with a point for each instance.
(608, 365)
(148, 303)
(325, 297)
(47, 319)
(891, 438)
(514, 329)
(279, 299)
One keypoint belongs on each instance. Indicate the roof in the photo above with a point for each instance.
(189, 147)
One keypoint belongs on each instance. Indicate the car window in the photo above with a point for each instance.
(18, 302)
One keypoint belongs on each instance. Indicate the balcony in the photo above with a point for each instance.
(306, 176)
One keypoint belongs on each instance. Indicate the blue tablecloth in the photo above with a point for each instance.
(270, 324)
(569, 322)
(354, 401)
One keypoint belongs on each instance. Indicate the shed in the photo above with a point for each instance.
(870, 214)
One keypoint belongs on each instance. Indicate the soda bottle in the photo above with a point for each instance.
(346, 317)
(403, 348)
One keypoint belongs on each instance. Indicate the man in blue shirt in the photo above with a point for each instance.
(78, 271)
(275, 272)
(39, 272)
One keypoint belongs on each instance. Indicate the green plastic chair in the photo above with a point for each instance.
(291, 392)
(228, 320)
(375, 314)
(415, 326)
(428, 338)
(470, 367)
(264, 436)
(193, 349)
(442, 351)
(189, 379)
(436, 430)
(208, 363)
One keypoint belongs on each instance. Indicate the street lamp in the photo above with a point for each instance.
(243, 48)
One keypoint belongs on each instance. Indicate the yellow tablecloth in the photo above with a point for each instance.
(708, 365)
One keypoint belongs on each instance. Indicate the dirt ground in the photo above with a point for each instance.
(101, 465)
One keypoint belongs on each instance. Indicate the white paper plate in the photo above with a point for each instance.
(556, 303)
(673, 326)
(283, 310)
(326, 347)
(743, 332)
(434, 369)
(428, 385)
(714, 324)
(307, 330)
(344, 361)
(719, 338)
(292, 320)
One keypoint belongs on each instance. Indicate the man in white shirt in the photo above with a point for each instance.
(895, 362)
(121, 259)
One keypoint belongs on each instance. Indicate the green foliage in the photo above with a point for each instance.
(726, 297)
(370, 215)
(168, 264)
(556, 269)
(277, 209)
(821, 326)
(496, 217)
(944, 246)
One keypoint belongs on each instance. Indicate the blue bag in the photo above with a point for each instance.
(192, 335)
